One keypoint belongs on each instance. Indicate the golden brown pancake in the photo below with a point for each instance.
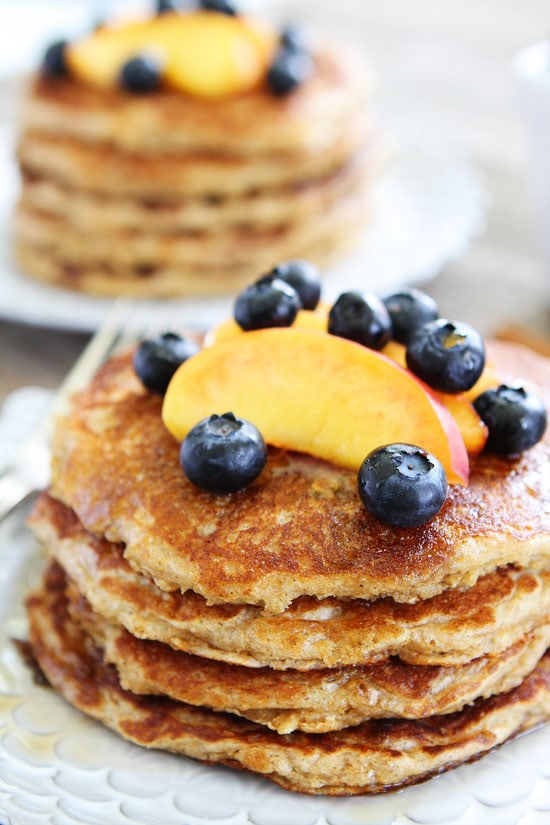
(281, 629)
(300, 528)
(373, 757)
(103, 212)
(232, 256)
(316, 701)
(169, 194)
(310, 120)
(96, 169)
(167, 280)
(449, 629)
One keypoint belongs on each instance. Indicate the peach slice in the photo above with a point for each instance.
(98, 58)
(305, 319)
(201, 53)
(488, 379)
(474, 431)
(211, 55)
(314, 393)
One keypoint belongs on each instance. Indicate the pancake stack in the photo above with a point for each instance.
(174, 194)
(282, 629)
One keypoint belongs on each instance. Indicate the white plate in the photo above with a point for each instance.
(57, 767)
(428, 207)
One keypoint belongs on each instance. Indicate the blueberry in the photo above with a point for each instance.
(289, 68)
(223, 453)
(222, 6)
(140, 74)
(295, 38)
(361, 317)
(409, 309)
(54, 62)
(303, 276)
(270, 302)
(447, 355)
(402, 485)
(516, 419)
(156, 361)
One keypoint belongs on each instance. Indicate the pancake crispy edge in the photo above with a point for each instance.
(450, 629)
(377, 756)
(312, 701)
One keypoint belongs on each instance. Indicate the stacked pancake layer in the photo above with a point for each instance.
(282, 629)
(167, 194)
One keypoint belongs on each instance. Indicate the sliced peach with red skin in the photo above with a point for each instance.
(487, 380)
(314, 393)
(474, 431)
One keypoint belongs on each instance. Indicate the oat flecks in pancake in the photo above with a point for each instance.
(449, 629)
(117, 467)
(370, 758)
(316, 701)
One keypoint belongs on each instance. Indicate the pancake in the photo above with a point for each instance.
(449, 629)
(251, 249)
(281, 629)
(103, 212)
(300, 528)
(376, 756)
(145, 195)
(317, 701)
(308, 121)
(105, 277)
(322, 216)
(98, 169)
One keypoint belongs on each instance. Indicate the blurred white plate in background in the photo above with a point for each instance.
(428, 207)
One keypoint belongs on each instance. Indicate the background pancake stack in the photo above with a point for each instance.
(170, 194)
(282, 629)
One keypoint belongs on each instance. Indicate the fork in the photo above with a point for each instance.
(28, 471)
